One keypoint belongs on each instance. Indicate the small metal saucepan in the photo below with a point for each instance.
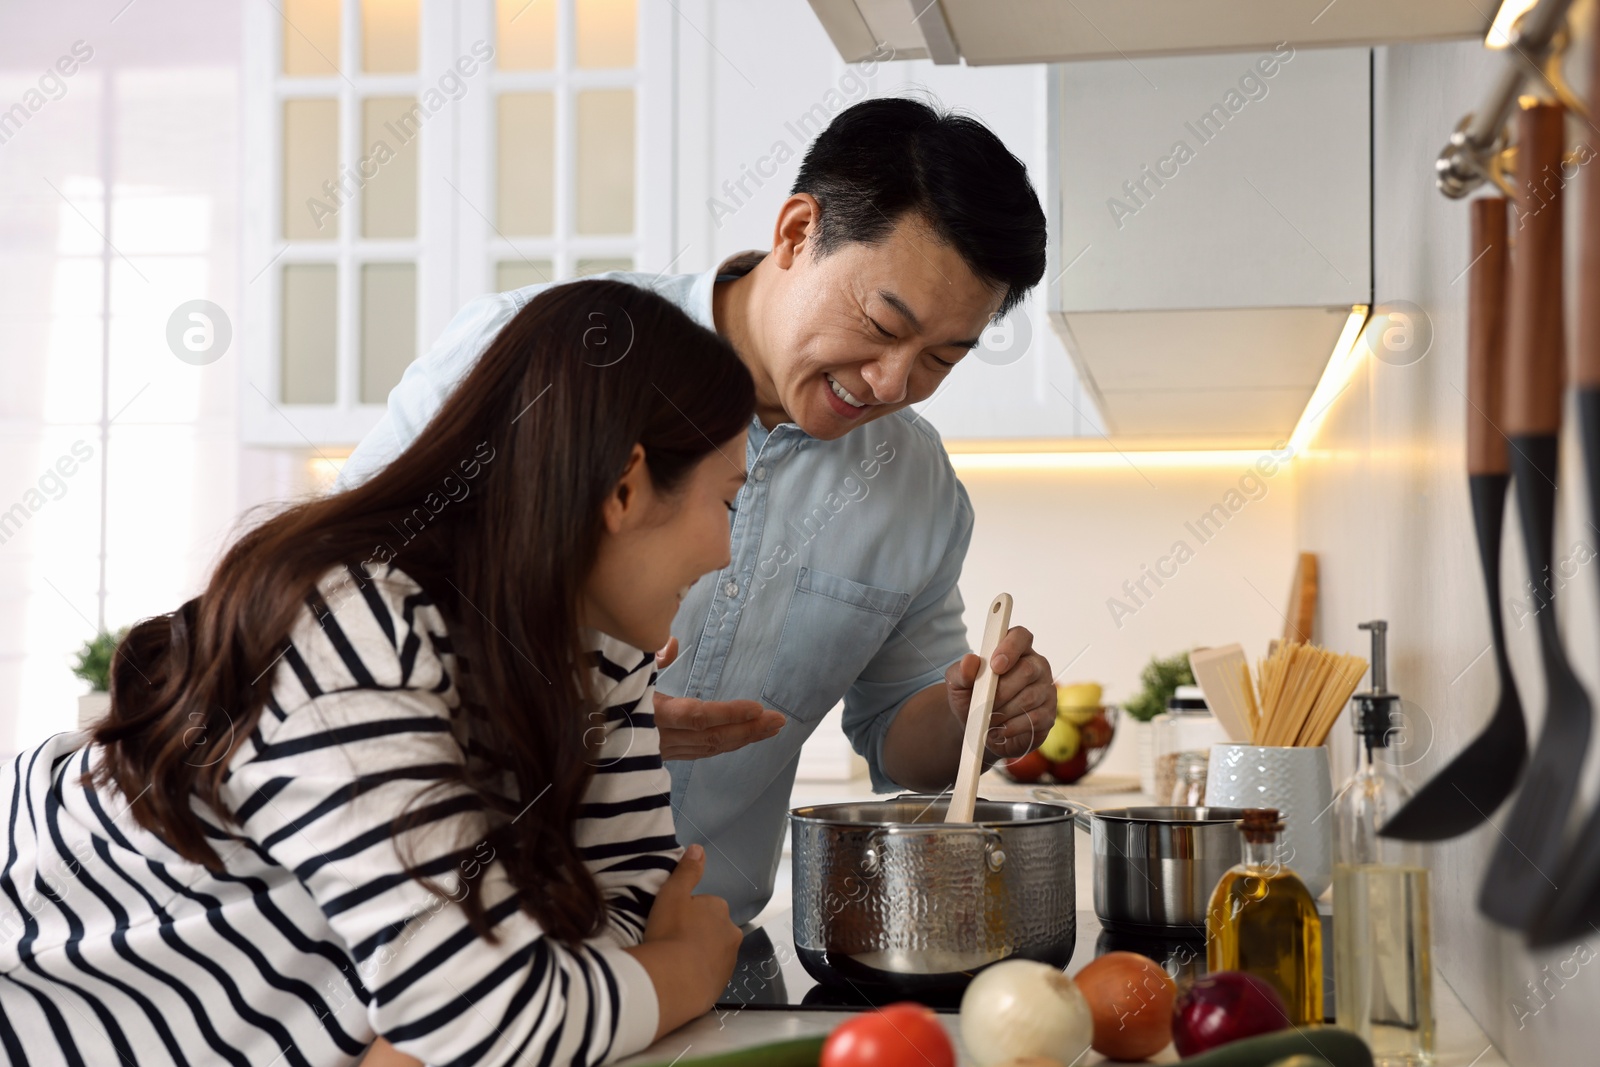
(1155, 868)
(887, 895)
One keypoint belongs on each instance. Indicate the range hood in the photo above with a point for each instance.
(1202, 300)
(981, 32)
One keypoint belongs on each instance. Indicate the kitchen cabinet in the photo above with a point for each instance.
(1213, 231)
(468, 154)
(979, 32)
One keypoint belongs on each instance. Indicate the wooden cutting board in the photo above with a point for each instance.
(1302, 600)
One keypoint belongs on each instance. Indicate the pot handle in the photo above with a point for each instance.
(994, 854)
(930, 799)
(1080, 810)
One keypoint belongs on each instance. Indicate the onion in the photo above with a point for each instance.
(1020, 1008)
(1131, 999)
(1225, 1006)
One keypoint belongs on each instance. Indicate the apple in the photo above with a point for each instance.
(1077, 716)
(1062, 743)
(1029, 768)
(1069, 771)
(1097, 730)
(1083, 695)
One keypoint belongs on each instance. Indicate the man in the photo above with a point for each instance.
(907, 231)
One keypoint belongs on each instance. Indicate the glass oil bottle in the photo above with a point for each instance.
(1263, 920)
(1383, 967)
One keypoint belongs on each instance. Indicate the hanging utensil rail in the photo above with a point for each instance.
(1473, 155)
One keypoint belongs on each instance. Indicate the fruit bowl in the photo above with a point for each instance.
(1095, 726)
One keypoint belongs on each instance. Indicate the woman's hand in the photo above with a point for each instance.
(383, 1054)
(690, 945)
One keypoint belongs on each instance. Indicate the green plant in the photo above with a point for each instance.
(1161, 678)
(93, 662)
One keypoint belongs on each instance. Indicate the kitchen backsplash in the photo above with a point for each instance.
(1383, 502)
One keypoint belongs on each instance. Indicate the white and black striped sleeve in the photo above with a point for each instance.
(318, 789)
(625, 827)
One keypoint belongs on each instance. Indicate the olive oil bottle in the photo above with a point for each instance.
(1262, 920)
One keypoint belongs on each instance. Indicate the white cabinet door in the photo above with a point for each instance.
(1219, 181)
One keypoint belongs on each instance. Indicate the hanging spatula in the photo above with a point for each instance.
(1530, 845)
(1574, 908)
(964, 797)
(1477, 781)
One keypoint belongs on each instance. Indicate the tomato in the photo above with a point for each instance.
(901, 1035)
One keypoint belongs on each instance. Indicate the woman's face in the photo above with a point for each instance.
(655, 545)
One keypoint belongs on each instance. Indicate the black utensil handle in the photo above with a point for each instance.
(1489, 520)
(1534, 463)
(1588, 400)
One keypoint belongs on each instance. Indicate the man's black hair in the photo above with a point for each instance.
(881, 159)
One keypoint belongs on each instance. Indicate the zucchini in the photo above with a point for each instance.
(795, 1052)
(1340, 1048)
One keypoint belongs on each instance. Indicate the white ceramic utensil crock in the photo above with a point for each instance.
(1296, 781)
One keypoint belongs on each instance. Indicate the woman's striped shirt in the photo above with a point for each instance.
(314, 939)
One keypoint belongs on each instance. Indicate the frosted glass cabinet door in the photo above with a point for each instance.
(310, 159)
(308, 334)
(607, 32)
(389, 36)
(512, 274)
(388, 327)
(310, 38)
(586, 267)
(526, 141)
(605, 161)
(525, 34)
(377, 229)
(389, 129)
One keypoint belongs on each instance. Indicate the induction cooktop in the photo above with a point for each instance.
(769, 974)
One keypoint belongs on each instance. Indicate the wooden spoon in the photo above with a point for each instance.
(965, 795)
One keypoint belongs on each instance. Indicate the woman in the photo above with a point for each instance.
(394, 772)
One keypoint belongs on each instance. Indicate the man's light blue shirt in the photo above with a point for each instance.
(842, 585)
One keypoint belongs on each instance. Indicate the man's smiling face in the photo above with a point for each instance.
(870, 328)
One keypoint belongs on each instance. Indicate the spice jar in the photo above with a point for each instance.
(1187, 726)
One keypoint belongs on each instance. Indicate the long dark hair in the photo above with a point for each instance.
(543, 425)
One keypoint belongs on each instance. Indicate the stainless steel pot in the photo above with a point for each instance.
(887, 896)
(1155, 868)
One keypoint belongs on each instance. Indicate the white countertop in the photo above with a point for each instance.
(1461, 1042)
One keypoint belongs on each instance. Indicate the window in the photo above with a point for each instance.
(408, 157)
